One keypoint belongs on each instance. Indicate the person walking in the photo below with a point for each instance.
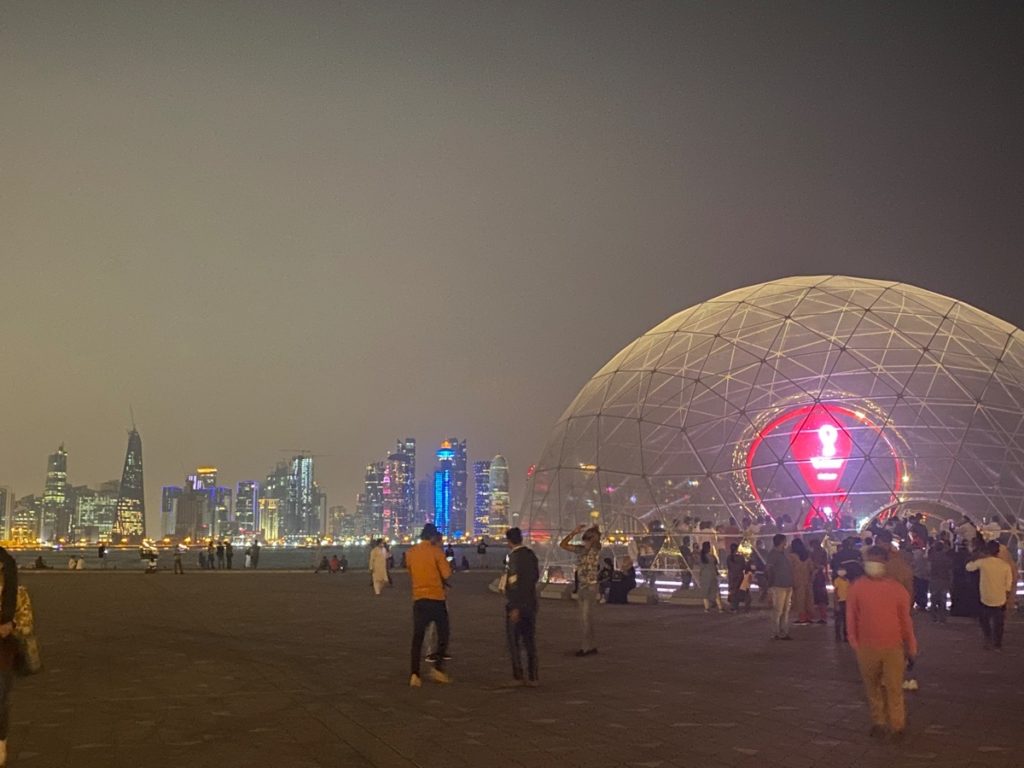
(882, 635)
(378, 566)
(840, 592)
(737, 569)
(707, 578)
(803, 571)
(940, 569)
(429, 572)
(780, 586)
(588, 558)
(921, 575)
(229, 552)
(995, 587)
(522, 572)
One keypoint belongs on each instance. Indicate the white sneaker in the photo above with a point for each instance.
(912, 685)
(906, 685)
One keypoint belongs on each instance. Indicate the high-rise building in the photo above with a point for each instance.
(247, 507)
(130, 523)
(169, 508)
(274, 501)
(399, 489)
(204, 479)
(424, 503)
(406, 449)
(28, 511)
(302, 514)
(450, 481)
(481, 497)
(6, 512)
(499, 495)
(338, 520)
(191, 517)
(370, 504)
(56, 517)
(95, 512)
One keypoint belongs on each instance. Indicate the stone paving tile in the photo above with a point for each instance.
(287, 669)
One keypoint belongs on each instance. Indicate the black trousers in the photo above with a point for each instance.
(424, 613)
(993, 621)
(840, 619)
(522, 634)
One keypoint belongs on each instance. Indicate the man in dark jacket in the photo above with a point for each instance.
(522, 572)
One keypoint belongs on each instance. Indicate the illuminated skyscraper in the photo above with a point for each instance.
(56, 518)
(481, 497)
(303, 513)
(499, 495)
(247, 506)
(407, 518)
(25, 520)
(450, 486)
(370, 505)
(95, 511)
(131, 500)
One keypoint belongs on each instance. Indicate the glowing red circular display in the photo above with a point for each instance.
(819, 453)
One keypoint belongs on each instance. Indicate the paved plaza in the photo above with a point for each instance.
(299, 670)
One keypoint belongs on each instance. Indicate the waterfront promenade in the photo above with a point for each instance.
(226, 669)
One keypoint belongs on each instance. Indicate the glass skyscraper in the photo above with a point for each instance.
(56, 518)
(130, 523)
(481, 497)
(450, 478)
(169, 509)
(499, 495)
(247, 506)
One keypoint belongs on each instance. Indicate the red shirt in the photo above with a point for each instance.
(878, 615)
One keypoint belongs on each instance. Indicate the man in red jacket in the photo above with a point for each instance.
(880, 631)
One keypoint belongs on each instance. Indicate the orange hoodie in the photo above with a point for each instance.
(428, 569)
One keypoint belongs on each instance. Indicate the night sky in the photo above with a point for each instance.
(278, 225)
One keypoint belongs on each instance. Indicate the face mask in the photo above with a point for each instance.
(874, 569)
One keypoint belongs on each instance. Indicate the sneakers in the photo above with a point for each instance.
(415, 681)
(433, 657)
(439, 677)
(910, 685)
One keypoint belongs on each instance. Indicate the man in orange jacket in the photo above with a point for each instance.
(880, 631)
(429, 570)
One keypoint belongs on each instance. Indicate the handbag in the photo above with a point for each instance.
(29, 660)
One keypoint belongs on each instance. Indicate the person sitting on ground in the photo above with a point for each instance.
(335, 563)
(324, 565)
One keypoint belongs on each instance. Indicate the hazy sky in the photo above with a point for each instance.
(277, 225)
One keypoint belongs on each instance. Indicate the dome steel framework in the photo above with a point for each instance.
(807, 397)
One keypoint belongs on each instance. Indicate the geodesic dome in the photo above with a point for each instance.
(805, 398)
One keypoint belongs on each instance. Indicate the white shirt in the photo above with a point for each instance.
(996, 580)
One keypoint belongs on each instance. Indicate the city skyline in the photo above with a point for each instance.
(329, 224)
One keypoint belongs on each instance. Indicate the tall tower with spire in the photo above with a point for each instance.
(131, 500)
